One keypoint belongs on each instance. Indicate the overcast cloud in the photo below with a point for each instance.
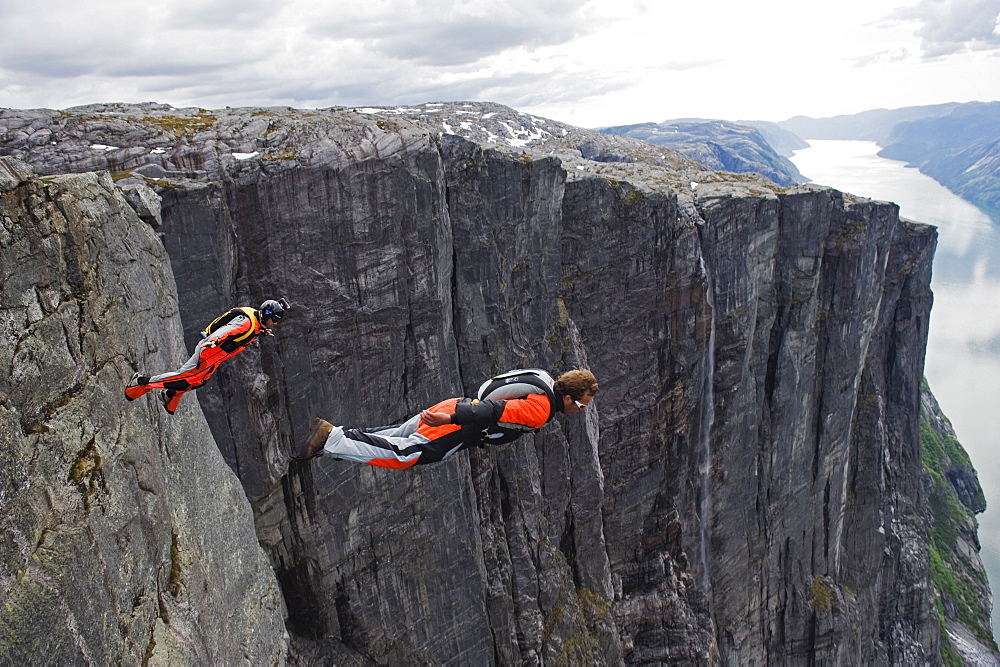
(448, 33)
(588, 62)
(954, 26)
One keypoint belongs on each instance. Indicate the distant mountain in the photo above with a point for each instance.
(957, 145)
(875, 125)
(724, 145)
(961, 150)
(780, 139)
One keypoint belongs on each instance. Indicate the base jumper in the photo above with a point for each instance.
(506, 407)
(227, 335)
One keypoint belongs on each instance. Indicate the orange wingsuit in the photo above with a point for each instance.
(227, 336)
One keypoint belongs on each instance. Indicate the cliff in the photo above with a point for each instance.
(964, 599)
(125, 538)
(749, 488)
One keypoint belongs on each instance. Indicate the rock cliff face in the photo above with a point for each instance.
(749, 488)
(125, 539)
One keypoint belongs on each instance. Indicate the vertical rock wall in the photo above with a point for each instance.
(816, 406)
(756, 353)
(125, 538)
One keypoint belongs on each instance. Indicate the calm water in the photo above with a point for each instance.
(963, 349)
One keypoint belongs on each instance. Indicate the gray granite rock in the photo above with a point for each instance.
(144, 201)
(125, 538)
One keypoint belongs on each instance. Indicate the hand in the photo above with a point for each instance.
(267, 332)
(211, 343)
(435, 418)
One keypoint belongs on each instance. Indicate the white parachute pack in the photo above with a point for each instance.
(519, 383)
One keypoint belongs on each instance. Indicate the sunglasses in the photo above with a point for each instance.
(582, 406)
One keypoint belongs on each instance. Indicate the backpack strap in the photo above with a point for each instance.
(248, 336)
(242, 339)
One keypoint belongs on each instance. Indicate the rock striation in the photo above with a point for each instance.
(750, 487)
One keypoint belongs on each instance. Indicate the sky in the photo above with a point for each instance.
(590, 63)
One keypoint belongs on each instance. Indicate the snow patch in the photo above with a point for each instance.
(157, 151)
(103, 147)
(374, 110)
(245, 156)
(490, 137)
(522, 137)
(982, 162)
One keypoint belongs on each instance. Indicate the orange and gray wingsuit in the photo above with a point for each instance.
(227, 335)
(507, 407)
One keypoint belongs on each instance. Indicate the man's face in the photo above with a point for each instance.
(269, 322)
(571, 407)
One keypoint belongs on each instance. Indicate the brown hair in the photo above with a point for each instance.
(577, 384)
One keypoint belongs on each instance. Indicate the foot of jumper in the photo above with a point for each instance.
(313, 446)
(136, 387)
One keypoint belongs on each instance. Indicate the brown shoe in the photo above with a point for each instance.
(317, 438)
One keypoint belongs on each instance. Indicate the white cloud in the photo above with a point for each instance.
(883, 57)
(588, 62)
(453, 32)
(953, 26)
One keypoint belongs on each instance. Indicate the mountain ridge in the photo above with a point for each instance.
(722, 145)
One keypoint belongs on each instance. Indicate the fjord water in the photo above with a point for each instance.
(963, 347)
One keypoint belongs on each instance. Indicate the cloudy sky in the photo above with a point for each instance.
(589, 63)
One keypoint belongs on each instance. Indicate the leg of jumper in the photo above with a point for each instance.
(391, 447)
(188, 366)
(195, 371)
(404, 430)
(134, 391)
(171, 399)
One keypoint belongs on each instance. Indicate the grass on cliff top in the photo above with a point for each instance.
(180, 126)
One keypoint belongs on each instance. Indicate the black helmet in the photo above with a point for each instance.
(274, 310)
